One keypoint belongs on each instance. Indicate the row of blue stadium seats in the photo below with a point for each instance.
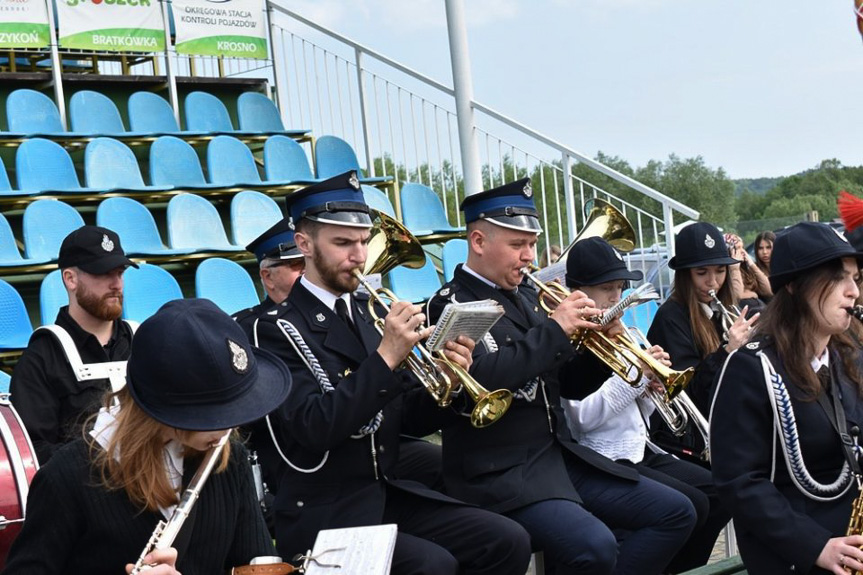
(30, 113)
(44, 167)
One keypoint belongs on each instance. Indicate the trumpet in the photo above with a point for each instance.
(675, 408)
(166, 532)
(727, 315)
(392, 244)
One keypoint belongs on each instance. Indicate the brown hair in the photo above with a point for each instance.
(703, 330)
(139, 467)
(767, 237)
(789, 320)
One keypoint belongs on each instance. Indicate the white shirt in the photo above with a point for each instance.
(327, 298)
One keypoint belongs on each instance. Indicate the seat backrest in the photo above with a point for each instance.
(230, 161)
(415, 285)
(422, 208)
(5, 184)
(257, 113)
(52, 296)
(193, 223)
(133, 222)
(334, 156)
(149, 112)
(174, 162)
(109, 163)
(454, 253)
(44, 165)
(146, 289)
(252, 213)
(206, 113)
(226, 284)
(32, 112)
(5, 378)
(285, 159)
(94, 113)
(45, 224)
(378, 200)
(8, 246)
(15, 327)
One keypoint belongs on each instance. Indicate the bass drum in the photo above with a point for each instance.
(18, 465)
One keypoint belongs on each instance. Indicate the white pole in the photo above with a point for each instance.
(463, 87)
(56, 67)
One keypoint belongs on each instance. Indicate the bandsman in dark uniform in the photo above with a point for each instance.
(526, 466)
(350, 400)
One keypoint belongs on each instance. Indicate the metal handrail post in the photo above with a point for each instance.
(569, 196)
(56, 66)
(364, 112)
(170, 74)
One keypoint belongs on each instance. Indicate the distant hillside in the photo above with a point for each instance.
(759, 186)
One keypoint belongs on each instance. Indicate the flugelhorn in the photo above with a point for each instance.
(392, 244)
(166, 532)
(604, 220)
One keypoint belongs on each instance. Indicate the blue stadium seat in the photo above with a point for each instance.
(94, 113)
(231, 163)
(33, 113)
(174, 162)
(15, 327)
(640, 316)
(194, 224)
(5, 378)
(226, 284)
(454, 253)
(6, 185)
(45, 224)
(146, 289)
(52, 296)
(9, 254)
(286, 160)
(153, 114)
(334, 156)
(252, 213)
(378, 200)
(206, 113)
(136, 227)
(423, 213)
(110, 165)
(258, 114)
(45, 166)
(415, 285)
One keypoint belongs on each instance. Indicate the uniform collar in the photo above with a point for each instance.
(327, 298)
(820, 361)
(481, 278)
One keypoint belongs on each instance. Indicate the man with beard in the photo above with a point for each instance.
(64, 372)
(340, 426)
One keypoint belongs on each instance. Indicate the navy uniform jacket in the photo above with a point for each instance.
(779, 529)
(349, 488)
(247, 317)
(519, 459)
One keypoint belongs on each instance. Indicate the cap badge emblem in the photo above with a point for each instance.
(239, 357)
(107, 244)
(354, 181)
(444, 292)
(320, 317)
(708, 241)
(528, 190)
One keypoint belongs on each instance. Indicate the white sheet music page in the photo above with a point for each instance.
(472, 318)
(354, 551)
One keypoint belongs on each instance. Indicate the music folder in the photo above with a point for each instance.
(364, 550)
(473, 319)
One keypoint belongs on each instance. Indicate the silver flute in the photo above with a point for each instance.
(166, 531)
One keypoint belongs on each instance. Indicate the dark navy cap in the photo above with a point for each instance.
(192, 367)
(593, 261)
(510, 205)
(276, 243)
(803, 247)
(338, 201)
(700, 244)
(94, 249)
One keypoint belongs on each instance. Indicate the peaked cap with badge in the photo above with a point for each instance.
(804, 246)
(509, 206)
(593, 261)
(276, 243)
(94, 249)
(206, 376)
(338, 201)
(700, 244)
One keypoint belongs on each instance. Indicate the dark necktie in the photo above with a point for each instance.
(342, 312)
(512, 295)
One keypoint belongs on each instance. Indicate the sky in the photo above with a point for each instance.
(760, 88)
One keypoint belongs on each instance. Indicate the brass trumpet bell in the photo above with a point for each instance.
(603, 220)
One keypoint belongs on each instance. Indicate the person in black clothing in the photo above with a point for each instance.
(280, 264)
(782, 459)
(350, 401)
(526, 465)
(192, 377)
(611, 416)
(688, 325)
(62, 375)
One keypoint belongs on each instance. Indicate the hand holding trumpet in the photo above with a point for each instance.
(576, 312)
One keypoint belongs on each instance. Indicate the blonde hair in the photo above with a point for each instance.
(139, 467)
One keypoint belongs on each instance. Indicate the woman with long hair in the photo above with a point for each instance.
(783, 460)
(689, 324)
(750, 283)
(764, 250)
(192, 376)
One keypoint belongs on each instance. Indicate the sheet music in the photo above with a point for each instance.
(473, 319)
(554, 272)
(356, 550)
